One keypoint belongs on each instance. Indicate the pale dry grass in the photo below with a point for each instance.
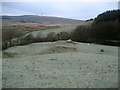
(61, 65)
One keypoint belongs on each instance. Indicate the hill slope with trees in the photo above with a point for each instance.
(105, 29)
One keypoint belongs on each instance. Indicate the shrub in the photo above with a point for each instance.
(52, 36)
(81, 34)
(63, 35)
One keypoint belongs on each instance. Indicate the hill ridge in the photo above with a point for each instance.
(38, 19)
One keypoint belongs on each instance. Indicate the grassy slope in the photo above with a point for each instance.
(56, 30)
(68, 29)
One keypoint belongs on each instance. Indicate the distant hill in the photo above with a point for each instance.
(38, 19)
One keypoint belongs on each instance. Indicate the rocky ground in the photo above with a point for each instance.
(60, 64)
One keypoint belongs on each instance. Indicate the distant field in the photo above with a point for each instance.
(19, 29)
(35, 24)
(28, 27)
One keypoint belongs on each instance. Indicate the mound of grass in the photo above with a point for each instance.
(8, 55)
(59, 49)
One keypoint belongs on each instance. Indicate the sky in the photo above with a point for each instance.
(74, 10)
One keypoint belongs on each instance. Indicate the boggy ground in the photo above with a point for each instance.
(60, 64)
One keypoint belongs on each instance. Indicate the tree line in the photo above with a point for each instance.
(105, 29)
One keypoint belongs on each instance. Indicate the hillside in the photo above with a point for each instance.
(104, 29)
(38, 19)
(107, 16)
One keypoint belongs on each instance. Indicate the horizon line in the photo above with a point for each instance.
(46, 16)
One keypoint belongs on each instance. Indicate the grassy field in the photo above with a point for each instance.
(60, 65)
(17, 30)
(14, 31)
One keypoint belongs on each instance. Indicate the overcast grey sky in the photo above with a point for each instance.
(75, 10)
